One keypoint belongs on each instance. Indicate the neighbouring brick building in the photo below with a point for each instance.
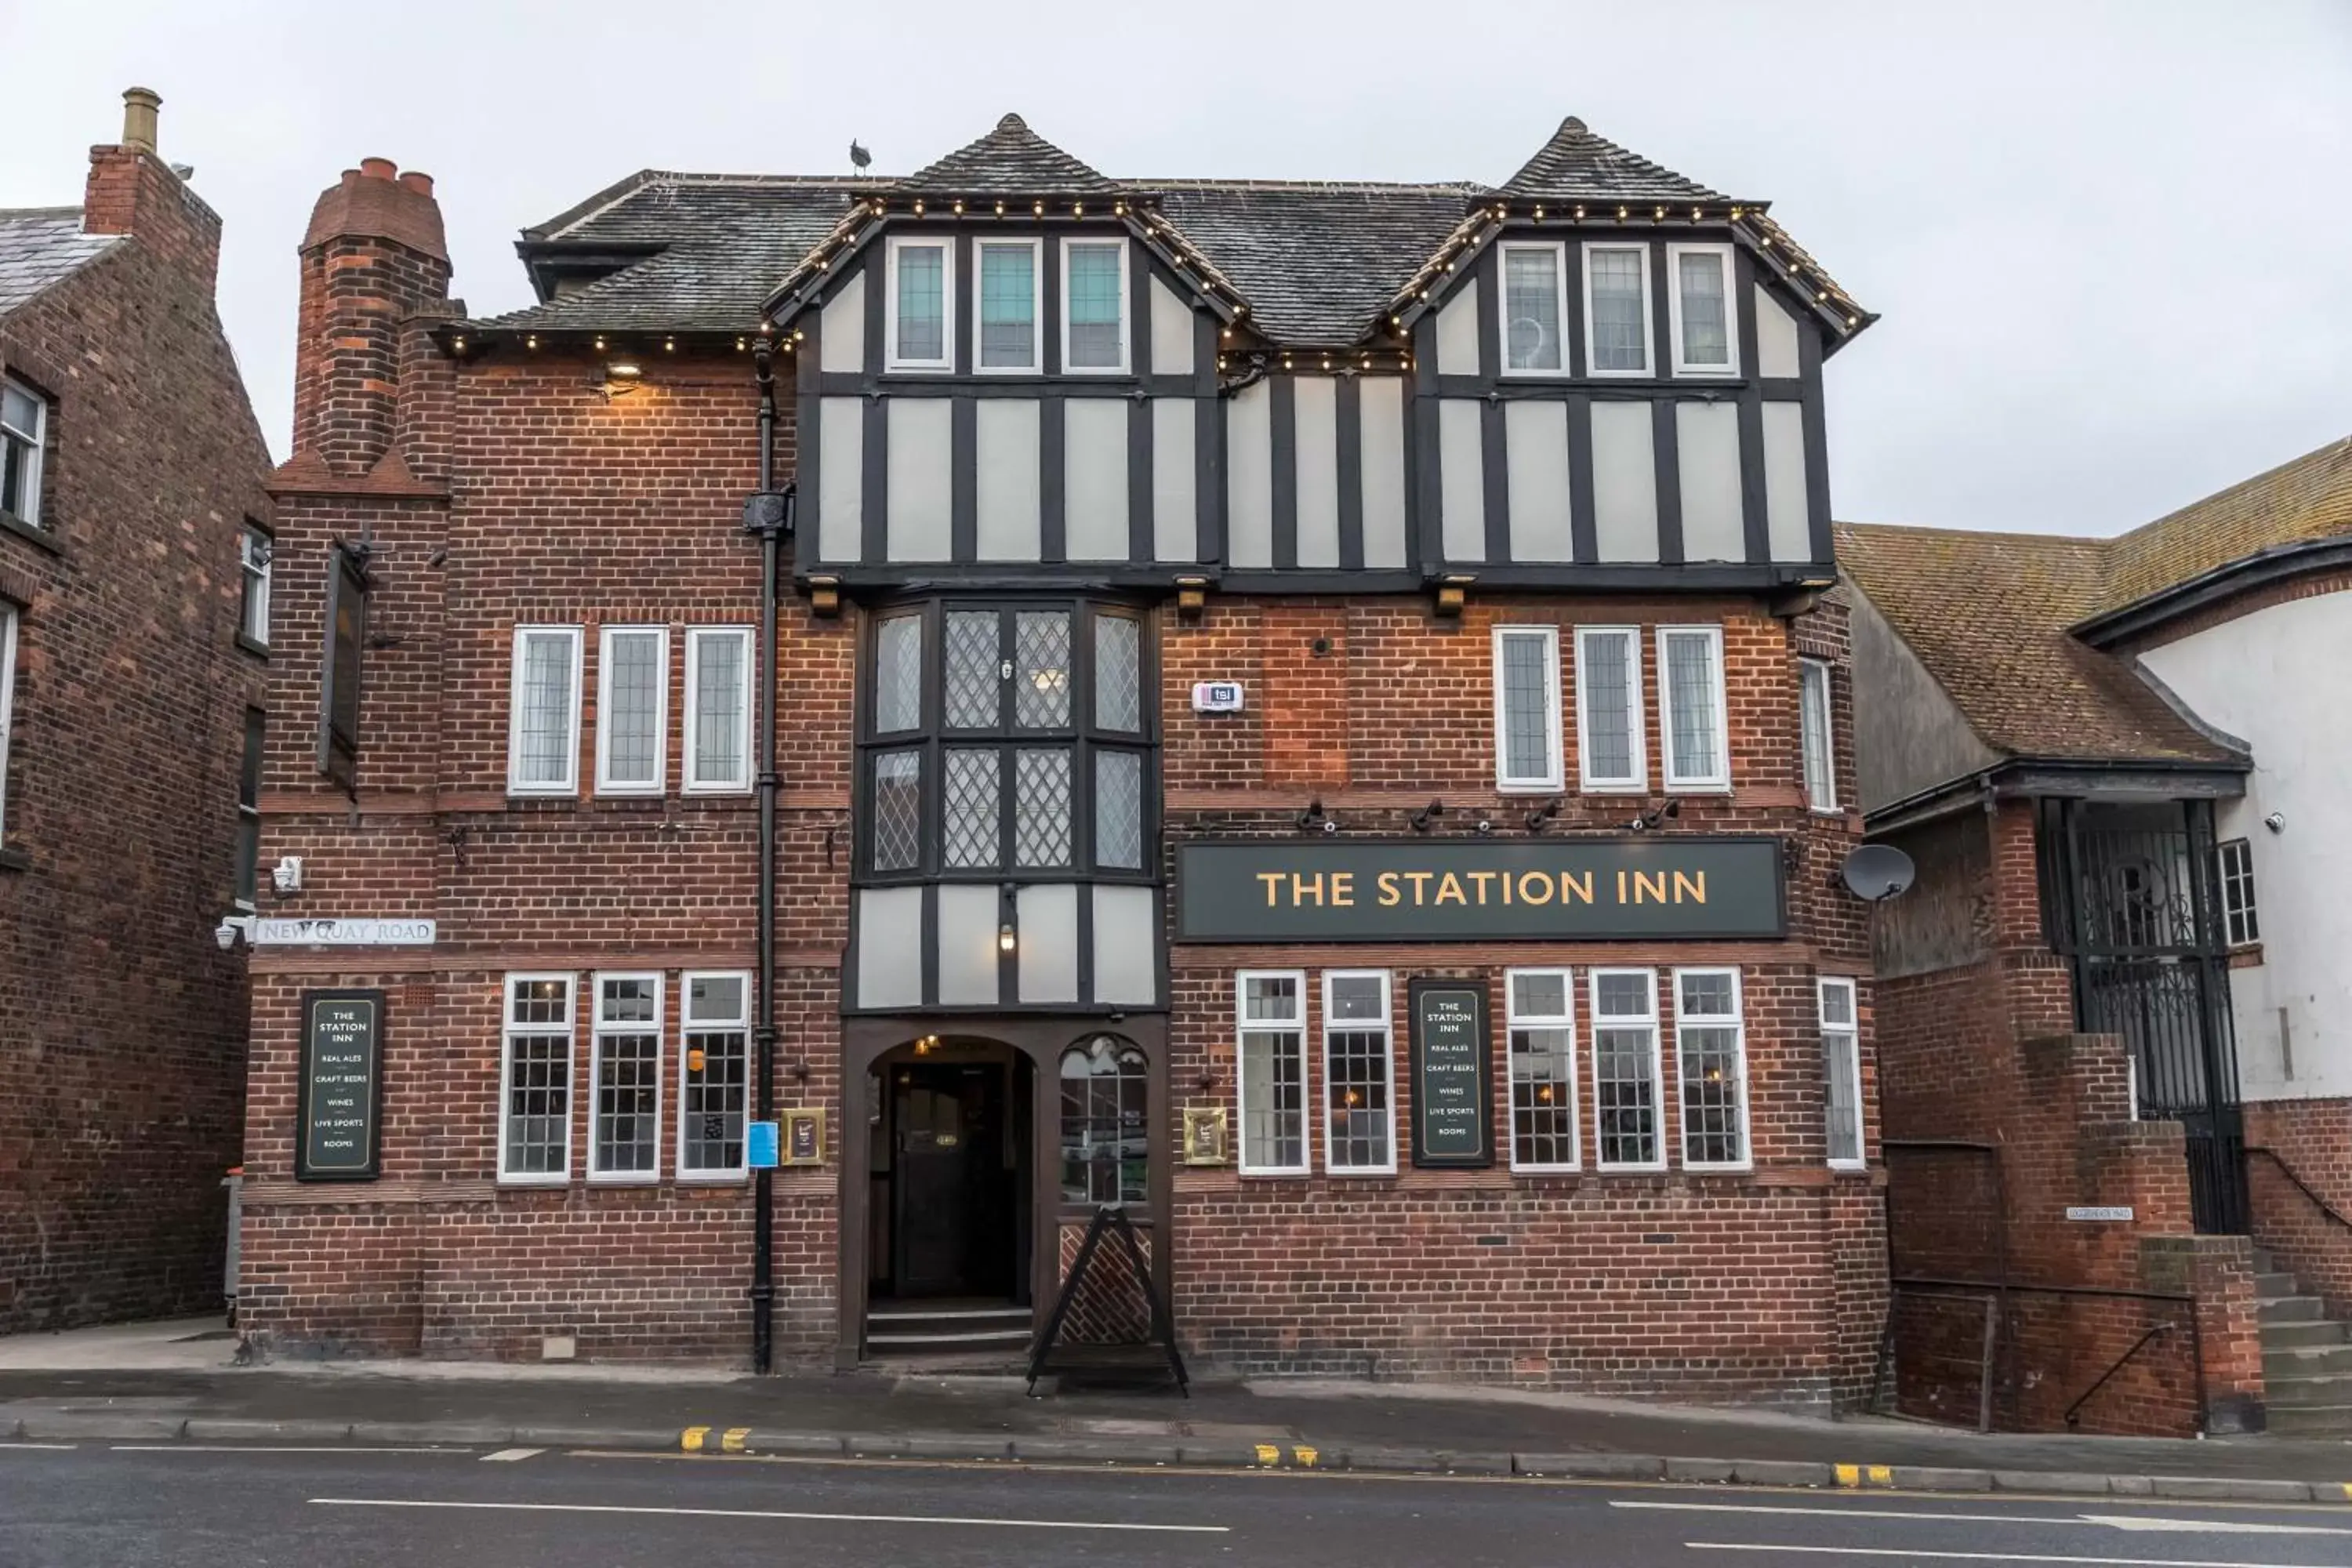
(1304, 711)
(2104, 1061)
(133, 628)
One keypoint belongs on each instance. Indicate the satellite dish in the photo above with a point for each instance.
(1878, 872)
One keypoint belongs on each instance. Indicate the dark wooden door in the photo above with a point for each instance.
(952, 1230)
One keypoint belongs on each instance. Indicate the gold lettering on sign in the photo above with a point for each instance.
(1302, 886)
(1695, 886)
(1581, 886)
(1649, 886)
(1479, 880)
(1343, 889)
(1450, 891)
(1621, 889)
(1420, 880)
(1535, 887)
(1272, 879)
(1388, 894)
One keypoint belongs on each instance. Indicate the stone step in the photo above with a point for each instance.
(2294, 1310)
(2297, 1335)
(2308, 1389)
(2310, 1420)
(2270, 1287)
(2264, 1262)
(2333, 1359)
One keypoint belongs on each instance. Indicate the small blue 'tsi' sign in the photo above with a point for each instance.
(1216, 697)
(760, 1145)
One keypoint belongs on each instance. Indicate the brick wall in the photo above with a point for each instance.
(121, 1022)
(2304, 1169)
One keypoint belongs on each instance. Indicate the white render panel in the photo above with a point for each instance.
(1175, 505)
(889, 961)
(1171, 333)
(922, 480)
(1127, 936)
(1004, 490)
(1048, 914)
(841, 477)
(1381, 458)
(1094, 479)
(1777, 353)
(1788, 514)
(1458, 334)
(1462, 464)
(1625, 482)
(1535, 432)
(1314, 428)
(1249, 477)
(968, 951)
(1707, 446)
(841, 329)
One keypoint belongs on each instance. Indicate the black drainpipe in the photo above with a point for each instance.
(768, 514)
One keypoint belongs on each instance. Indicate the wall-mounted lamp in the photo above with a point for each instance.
(1649, 820)
(1543, 814)
(824, 597)
(1427, 814)
(227, 933)
(1451, 591)
(1314, 815)
(622, 377)
(1007, 938)
(1191, 596)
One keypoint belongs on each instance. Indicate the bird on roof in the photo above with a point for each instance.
(859, 156)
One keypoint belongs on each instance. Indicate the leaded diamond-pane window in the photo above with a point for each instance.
(898, 810)
(1041, 673)
(1118, 810)
(1041, 809)
(974, 678)
(973, 783)
(898, 674)
(1118, 673)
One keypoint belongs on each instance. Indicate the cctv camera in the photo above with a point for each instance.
(1330, 824)
(2275, 822)
(225, 933)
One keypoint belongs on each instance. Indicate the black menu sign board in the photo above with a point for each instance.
(1451, 1119)
(341, 1087)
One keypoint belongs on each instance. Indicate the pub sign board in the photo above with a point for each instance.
(1453, 1119)
(1619, 887)
(339, 1139)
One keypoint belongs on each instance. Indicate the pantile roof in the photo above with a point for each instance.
(40, 246)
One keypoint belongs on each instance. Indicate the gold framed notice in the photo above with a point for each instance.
(802, 1139)
(1204, 1136)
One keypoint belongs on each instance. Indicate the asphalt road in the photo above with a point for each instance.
(104, 1505)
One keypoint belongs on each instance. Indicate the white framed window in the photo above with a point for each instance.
(249, 810)
(1535, 310)
(1702, 311)
(24, 433)
(1539, 1018)
(714, 1076)
(625, 1106)
(718, 680)
(535, 1082)
(1360, 1124)
(1612, 754)
(919, 305)
(1527, 707)
(1617, 310)
(1093, 306)
(543, 712)
(1841, 1074)
(1814, 721)
(1009, 337)
(1711, 1064)
(9, 618)
(1690, 708)
(2238, 916)
(1270, 1079)
(632, 710)
(1625, 1071)
(253, 553)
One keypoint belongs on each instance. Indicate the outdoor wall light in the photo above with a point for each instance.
(1428, 815)
(1451, 591)
(1191, 596)
(1006, 938)
(622, 377)
(1543, 814)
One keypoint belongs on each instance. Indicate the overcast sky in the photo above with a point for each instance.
(2112, 243)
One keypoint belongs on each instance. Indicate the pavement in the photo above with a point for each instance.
(191, 1505)
(174, 1382)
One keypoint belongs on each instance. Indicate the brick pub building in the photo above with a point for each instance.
(2114, 1065)
(1303, 711)
(134, 574)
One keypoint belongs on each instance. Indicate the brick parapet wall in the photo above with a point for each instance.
(2313, 1139)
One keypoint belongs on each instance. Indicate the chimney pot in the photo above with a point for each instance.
(139, 107)
(418, 181)
(378, 168)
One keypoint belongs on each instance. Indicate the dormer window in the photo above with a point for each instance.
(1094, 306)
(1706, 342)
(921, 322)
(1617, 307)
(1010, 288)
(1534, 304)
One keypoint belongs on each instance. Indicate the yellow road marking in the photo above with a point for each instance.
(1849, 1475)
(731, 1440)
(1267, 1454)
(1304, 1455)
(691, 1438)
(1881, 1476)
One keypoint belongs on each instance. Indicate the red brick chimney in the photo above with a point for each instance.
(373, 260)
(132, 191)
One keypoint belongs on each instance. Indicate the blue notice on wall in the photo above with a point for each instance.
(760, 1145)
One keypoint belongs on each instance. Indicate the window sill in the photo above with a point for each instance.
(2247, 955)
(14, 859)
(259, 649)
(31, 533)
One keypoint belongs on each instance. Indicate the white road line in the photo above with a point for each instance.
(1986, 1556)
(2099, 1520)
(509, 1456)
(267, 1448)
(771, 1513)
(48, 1448)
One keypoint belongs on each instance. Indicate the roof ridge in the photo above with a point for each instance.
(2097, 540)
(2342, 444)
(1448, 187)
(75, 211)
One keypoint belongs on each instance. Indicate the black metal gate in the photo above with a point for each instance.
(2131, 894)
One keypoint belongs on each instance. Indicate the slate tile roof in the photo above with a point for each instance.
(1989, 614)
(39, 245)
(1316, 263)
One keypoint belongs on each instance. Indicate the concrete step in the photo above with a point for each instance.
(2308, 1389)
(2280, 1336)
(2294, 1310)
(2270, 1287)
(2306, 1360)
(2310, 1420)
(2264, 1262)
(946, 1327)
